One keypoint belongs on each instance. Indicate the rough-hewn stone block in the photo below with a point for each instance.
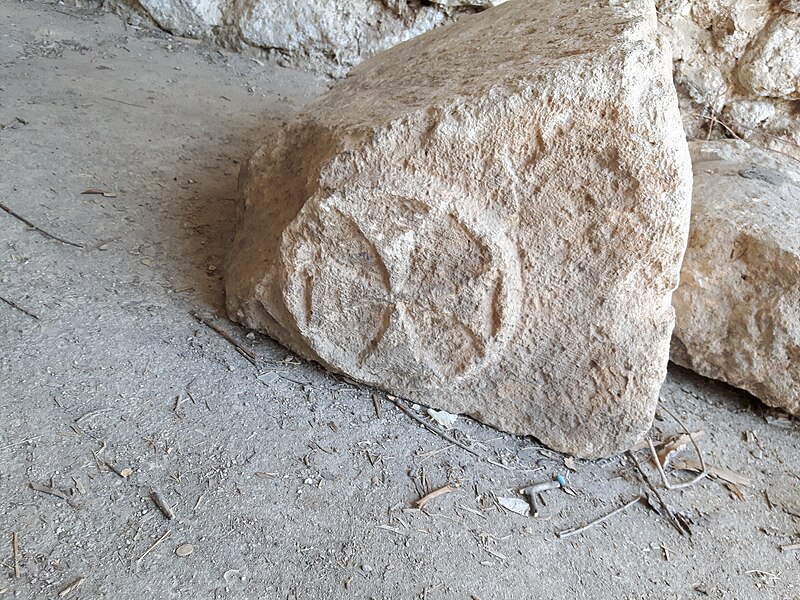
(489, 219)
(738, 305)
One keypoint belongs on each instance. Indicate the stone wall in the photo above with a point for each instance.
(737, 62)
(330, 36)
(737, 66)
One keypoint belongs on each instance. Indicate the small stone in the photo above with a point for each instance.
(184, 549)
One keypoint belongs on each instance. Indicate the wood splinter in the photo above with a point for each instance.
(15, 552)
(71, 587)
(377, 403)
(575, 531)
(153, 547)
(435, 494)
(162, 505)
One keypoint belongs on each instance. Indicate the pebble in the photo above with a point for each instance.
(184, 550)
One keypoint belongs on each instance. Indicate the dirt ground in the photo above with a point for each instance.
(284, 481)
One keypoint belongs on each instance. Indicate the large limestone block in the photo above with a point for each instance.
(488, 219)
(738, 304)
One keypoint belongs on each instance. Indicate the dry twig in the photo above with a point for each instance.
(246, 352)
(672, 518)
(435, 430)
(692, 438)
(15, 552)
(23, 441)
(122, 102)
(714, 119)
(435, 494)
(37, 228)
(153, 547)
(13, 304)
(49, 490)
(92, 413)
(71, 587)
(576, 530)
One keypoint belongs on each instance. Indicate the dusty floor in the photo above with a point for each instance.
(282, 478)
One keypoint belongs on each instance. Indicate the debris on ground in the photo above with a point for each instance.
(673, 445)
(435, 494)
(443, 418)
(725, 475)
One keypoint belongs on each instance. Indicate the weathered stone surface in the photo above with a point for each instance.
(737, 61)
(329, 36)
(191, 18)
(336, 34)
(730, 56)
(738, 304)
(771, 66)
(496, 233)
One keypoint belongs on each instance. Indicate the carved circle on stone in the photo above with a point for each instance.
(428, 288)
